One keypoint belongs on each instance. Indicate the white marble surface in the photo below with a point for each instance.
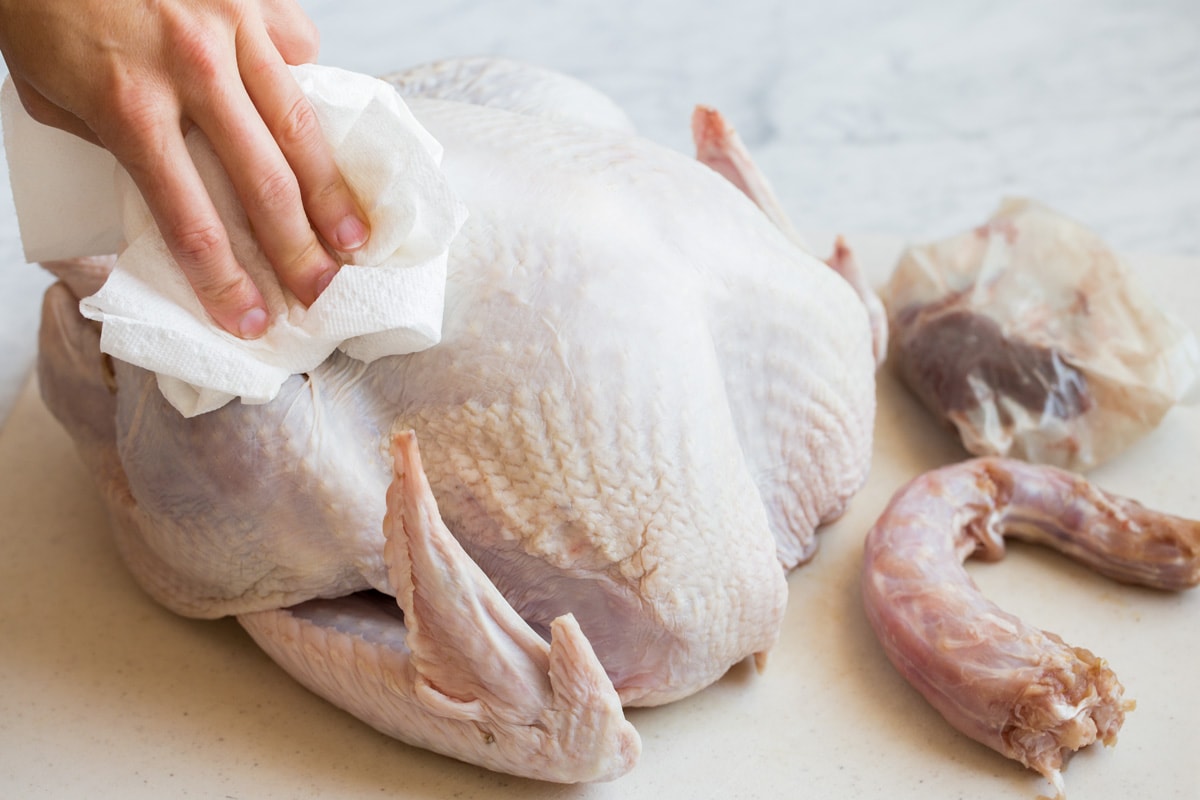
(908, 119)
(905, 119)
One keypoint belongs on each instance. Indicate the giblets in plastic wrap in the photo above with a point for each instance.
(1030, 336)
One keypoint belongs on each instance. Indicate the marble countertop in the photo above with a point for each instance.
(910, 120)
(907, 121)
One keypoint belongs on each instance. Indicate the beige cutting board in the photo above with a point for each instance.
(104, 694)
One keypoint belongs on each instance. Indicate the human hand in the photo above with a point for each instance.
(134, 76)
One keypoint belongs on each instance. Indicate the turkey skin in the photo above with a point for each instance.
(646, 400)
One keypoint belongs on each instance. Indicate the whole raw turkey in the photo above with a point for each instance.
(646, 400)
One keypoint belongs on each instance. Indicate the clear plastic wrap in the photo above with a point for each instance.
(1030, 336)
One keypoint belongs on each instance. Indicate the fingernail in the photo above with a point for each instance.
(253, 323)
(324, 279)
(350, 233)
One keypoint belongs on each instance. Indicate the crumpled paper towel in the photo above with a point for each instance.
(387, 300)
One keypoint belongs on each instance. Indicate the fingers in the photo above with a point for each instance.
(162, 169)
(287, 114)
(270, 142)
(269, 192)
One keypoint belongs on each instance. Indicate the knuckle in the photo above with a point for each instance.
(197, 246)
(198, 50)
(276, 192)
(299, 128)
(313, 256)
(228, 291)
(203, 62)
(220, 289)
(137, 109)
(297, 266)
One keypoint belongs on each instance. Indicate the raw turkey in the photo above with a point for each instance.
(646, 400)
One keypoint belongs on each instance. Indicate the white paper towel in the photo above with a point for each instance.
(388, 300)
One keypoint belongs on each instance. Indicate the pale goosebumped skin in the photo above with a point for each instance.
(469, 678)
(645, 401)
(1017, 689)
